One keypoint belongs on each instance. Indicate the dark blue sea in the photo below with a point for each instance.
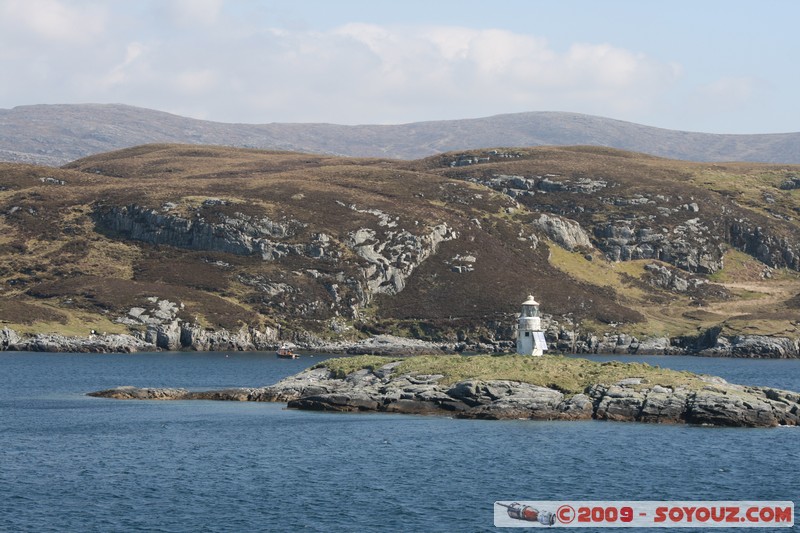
(71, 463)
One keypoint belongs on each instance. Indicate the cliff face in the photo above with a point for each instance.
(762, 243)
(239, 234)
(206, 247)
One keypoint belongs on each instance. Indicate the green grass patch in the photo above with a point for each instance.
(569, 375)
(738, 267)
(342, 366)
(599, 271)
(76, 325)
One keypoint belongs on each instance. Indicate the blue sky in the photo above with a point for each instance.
(714, 66)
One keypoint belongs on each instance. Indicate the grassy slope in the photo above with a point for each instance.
(568, 375)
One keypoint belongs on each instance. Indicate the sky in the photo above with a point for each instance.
(717, 66)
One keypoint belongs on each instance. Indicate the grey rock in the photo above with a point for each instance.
(775, 251)
(168, 337)
(663, 405)
(565, 232)
(671, 279)
(239, 234)
(791, 182)
(752, 346)
(720, 407)
(421, 407)
(385, 345)
(8, 338)
(135, 393)
(43, 342)
(195, 337)
(690, 246)
(351, 401)
(616, 402)
(394, 257)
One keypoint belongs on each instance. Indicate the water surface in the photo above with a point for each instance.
(69, 462)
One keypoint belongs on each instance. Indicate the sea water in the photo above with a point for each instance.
(69, 462)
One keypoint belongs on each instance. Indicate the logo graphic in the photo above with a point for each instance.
(527, 513)
(644, 514)
(565, 514)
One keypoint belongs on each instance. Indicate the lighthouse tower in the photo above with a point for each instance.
(530, 338)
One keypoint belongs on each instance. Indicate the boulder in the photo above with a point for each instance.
(566, 232)
(8, 339)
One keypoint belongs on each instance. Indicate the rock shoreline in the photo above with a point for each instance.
(195, 338)
(717, 403)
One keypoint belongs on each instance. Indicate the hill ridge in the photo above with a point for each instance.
(55, 134)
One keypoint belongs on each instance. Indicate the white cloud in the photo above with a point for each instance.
(195, 12)
(193, 57)
(728, 93)
(54, 20)
(121, 73)
(443, 72)
(194, 82)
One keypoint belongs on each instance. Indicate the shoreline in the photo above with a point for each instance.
(250, 339)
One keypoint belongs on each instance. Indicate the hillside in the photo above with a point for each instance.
(56, 134)
(183, 245)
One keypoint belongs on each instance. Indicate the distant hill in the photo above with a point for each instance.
(56, 134)
(180, 242)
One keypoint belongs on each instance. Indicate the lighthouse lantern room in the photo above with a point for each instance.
(530, 337)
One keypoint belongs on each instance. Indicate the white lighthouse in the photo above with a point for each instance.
(530, 337)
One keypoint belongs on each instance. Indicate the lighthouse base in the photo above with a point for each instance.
(531, 343)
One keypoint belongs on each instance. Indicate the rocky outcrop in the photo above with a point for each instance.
(752, 346)
(12, 341)
(690, 246)
(237, 234)
(520, 186)
(790, 183)
(393, 256)
(770, 249)
(621, 343)
(383, 345)
(567, 233)
(9, 339)
(134, 393)
(562, 337)
(718, 403)
(671, 279)
(195, 337)
(654, 226)
(170, 336)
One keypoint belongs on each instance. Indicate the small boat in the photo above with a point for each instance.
(286, 352)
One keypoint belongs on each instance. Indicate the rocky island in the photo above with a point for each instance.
(511, 387)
